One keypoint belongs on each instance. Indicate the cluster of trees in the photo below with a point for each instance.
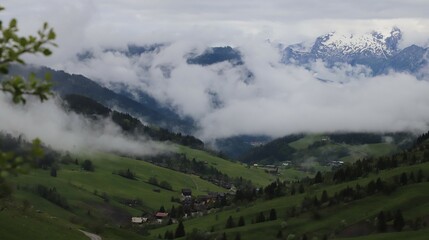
(230, 223)
(163, 184)
(384, 217)
(273, 190)
(179, 232)
(127, 174)
(356, 138)
(102, 195)
(181, 163)
(88, 166)
(22, 149)
(224, 236)
(260, 217)
(345, 195)
(422, 138)
(52, 195)
(411, 177)
(365, 166)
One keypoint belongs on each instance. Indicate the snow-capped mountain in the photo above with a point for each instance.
(374, 44)
(378, 50)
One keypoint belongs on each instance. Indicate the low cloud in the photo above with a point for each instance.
(278, 100)
(69, 131)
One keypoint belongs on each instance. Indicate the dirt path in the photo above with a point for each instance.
(91, 236)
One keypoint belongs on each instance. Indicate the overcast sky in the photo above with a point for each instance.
(281, 99)
(117, 22)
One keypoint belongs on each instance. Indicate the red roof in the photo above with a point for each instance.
(161, 214)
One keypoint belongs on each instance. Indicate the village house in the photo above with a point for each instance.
(160, 216)
(186, 193)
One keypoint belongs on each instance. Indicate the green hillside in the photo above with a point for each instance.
(102, 201)
(411, 199)
(341, 219)
(95, 198)
(232, 169)
(326, 148)
(17, 225)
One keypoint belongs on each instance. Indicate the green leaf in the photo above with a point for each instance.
(4, 70)
(12, 23)
(23, 41)
(47, 52)
(51, 35)
(48, 76)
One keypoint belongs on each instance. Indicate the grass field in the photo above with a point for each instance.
(45, 220)
(414, 235)
(257, 176)
(375, 150)
(306, 141)
(355, 152)
(78, 185)
(17, 225)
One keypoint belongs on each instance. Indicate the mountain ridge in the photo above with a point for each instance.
(376, 50)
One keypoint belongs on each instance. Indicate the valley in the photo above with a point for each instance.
(220, 120)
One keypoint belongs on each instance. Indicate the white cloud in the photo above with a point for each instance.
(69, 131)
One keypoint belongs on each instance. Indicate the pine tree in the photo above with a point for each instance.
(404, 179)
(230, 222)
(260, 217)
(316, 202)
(381, 222)
(301, 188)
(420, 176)
(162, 209)
(324, 197)
(54, 172)
(279, 234)
(273, 214)
(241, 222)
(318, 178)
(412, 178)
(398, 222)
(293, 190)
(238, 236)
(170, 221)
(168, 235)
(224, 237)
(379, 185)
(173, 212)
(180, 230)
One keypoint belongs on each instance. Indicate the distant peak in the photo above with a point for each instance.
(376, 43)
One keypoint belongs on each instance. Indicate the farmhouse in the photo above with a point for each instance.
(186, 193)
(160, 216)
